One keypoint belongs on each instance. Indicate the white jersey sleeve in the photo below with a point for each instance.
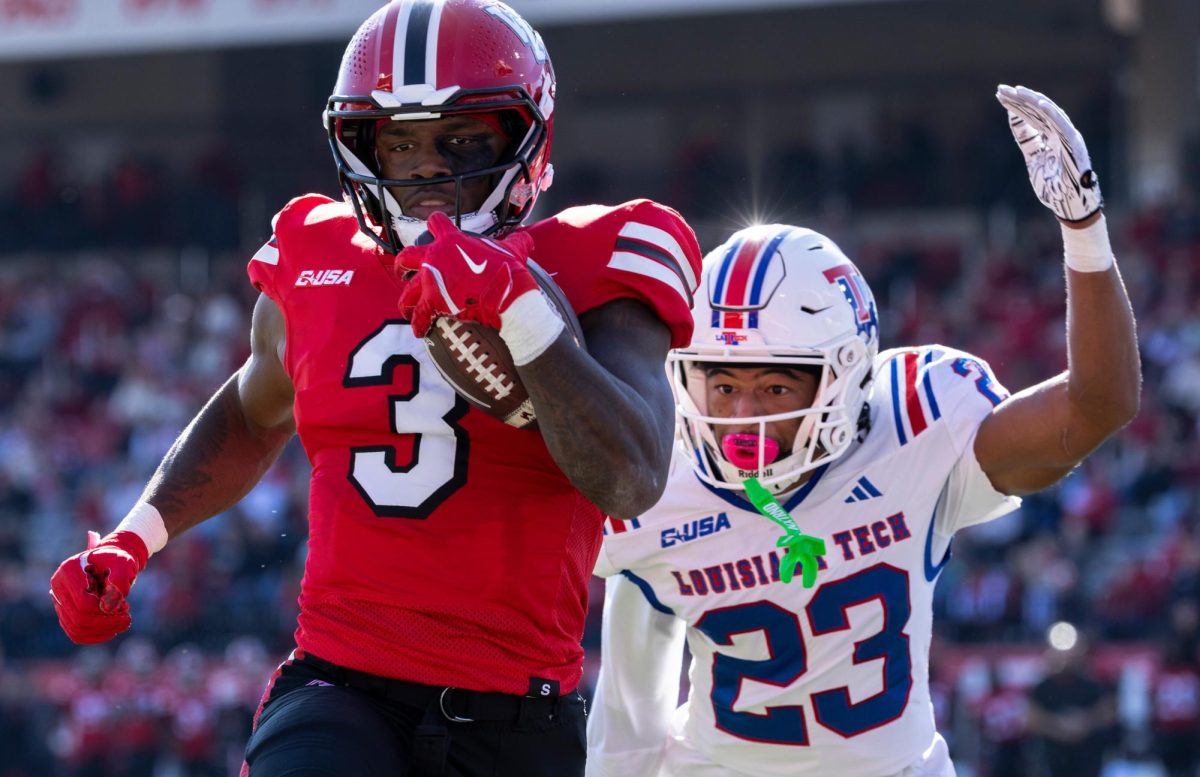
(638, 686)
(963, 390)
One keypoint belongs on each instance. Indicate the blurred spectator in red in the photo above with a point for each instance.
(84, 738)
(192, 714)
(1003, 719)
(138, 728)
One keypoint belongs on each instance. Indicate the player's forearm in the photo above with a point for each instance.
(638, 685)
(1104, 371)
(213, 463)
(607, 438)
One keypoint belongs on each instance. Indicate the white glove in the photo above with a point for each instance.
(1055, 154)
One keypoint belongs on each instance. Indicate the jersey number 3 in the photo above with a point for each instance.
(788, 659)
(437, 466)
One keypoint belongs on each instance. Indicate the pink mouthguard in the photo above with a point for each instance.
(742, 450)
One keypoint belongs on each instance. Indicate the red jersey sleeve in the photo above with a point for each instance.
(640, 250)
(273, 276)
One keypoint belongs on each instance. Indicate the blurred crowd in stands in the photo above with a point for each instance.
(111, 337)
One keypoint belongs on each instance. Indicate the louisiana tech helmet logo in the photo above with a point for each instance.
(858, 294)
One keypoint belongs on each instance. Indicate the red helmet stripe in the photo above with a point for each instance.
(387, 43)
(739, 280)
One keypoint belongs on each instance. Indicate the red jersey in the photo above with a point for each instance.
(445, 547)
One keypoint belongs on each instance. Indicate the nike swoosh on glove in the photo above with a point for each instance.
(468, 277)
(89, 588)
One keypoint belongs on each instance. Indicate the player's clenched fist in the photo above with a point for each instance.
(465, 276)
(89, 588)
(1055, 154)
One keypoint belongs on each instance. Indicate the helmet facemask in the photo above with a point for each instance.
(418, 60)
(511, 185)
(827, 427)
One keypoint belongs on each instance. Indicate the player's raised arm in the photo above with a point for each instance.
(1036, 437)
(215, 461)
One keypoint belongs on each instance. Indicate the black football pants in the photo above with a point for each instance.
(319, 720)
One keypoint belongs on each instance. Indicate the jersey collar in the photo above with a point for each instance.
(737, 499)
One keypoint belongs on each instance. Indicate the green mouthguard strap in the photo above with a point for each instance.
(802, 548)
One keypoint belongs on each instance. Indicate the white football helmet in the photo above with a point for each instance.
(787, 296)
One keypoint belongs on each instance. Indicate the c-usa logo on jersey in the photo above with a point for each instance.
(325, 278)
(694, 530)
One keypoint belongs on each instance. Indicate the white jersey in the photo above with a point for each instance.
(787, 680)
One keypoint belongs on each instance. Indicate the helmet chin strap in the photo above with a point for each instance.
(408, 229)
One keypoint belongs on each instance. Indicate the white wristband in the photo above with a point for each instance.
(529, 326)
(1087, 249)
(145, 521)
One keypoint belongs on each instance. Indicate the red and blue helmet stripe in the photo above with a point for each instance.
(739, 278)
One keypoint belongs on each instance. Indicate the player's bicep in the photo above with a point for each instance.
(264, 387)
(630, 342)
(1034, 438)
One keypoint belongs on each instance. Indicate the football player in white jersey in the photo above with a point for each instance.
(882, 456)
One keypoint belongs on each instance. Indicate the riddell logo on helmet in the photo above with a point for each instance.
(325, 278)
(730, 338)
(766, 472)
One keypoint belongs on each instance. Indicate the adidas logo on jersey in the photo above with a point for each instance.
(325, 278)
(863, 491)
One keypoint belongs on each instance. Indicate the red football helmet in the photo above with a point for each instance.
(427, 59)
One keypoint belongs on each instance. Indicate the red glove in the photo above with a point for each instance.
(89, 588)
(468, 277)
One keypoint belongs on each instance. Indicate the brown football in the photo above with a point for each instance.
(476, 362)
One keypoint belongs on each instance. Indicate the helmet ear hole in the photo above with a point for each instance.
(850, 354)
(837, 437)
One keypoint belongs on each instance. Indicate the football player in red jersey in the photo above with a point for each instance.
(445, 588)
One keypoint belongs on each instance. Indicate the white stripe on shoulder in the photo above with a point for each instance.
(635, 263)
(268, 254)
(664, 241)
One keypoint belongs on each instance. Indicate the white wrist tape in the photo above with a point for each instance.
(145, 521)
(1087, 249)
(529, 326)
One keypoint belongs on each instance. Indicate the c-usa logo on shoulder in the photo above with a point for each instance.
(694, 529)
(325, 278)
